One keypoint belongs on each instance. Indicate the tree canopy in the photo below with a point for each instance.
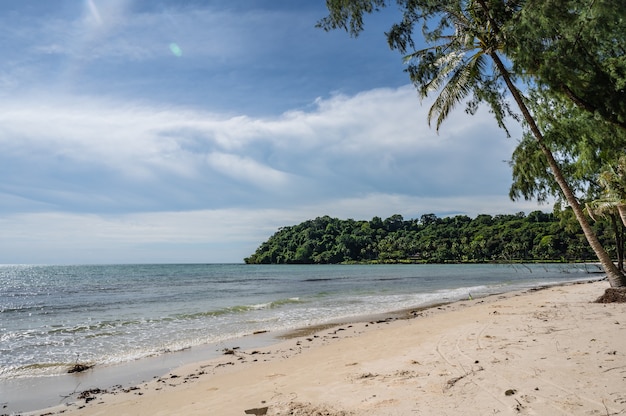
(537, 236)
(575, 47)
(584, 146)
(568, 46)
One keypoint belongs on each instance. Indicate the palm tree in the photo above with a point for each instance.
(613, 180)
(607, 209)
(615, 276)
(466, 36)
(613, 200)
(611, 208)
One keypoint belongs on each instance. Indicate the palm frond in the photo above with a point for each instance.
(613, 180)
(455, 84)
(446, 64)
(601, 208)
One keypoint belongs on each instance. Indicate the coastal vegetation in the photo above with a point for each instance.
(561, 63)
(538, 236)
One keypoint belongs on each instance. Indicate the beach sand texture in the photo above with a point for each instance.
(539, 352)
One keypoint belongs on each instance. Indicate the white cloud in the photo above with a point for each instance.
(377, 141)
(247, 170)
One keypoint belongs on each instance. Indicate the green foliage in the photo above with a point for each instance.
(613, 181)
(583, 144)
(572, 47)
(576, 47)
(537, 236)
(460, 35)
(348, 14)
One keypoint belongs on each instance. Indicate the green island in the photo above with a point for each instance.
(538, 236)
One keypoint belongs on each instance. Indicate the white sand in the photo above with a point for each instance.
(546, 352)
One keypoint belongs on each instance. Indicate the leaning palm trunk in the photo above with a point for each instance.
(621, 208)
(618, 230)
(615, 277)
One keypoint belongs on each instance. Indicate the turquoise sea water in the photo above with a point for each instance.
(53, 316)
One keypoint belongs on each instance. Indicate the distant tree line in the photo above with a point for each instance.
(537, 236)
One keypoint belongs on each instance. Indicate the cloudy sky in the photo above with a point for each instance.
(137, 131)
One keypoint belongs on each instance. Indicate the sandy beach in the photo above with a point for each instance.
(539, 352)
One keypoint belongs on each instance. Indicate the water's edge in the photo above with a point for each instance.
(17, 394)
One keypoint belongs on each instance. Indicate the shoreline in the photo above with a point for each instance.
(243, 365)
(57, 391)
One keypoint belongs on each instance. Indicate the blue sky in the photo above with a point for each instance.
(138, 131)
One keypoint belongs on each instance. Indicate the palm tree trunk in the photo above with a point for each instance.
(621, 208)
(615, 277)
(618, 230)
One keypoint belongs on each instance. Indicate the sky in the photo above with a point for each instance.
(182, 131)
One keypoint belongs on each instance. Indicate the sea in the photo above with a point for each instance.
(54, 316)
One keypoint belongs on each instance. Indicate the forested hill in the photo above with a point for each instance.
(537, 236)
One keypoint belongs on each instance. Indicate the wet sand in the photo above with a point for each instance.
(537, 352)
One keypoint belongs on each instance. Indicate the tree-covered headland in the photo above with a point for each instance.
(537, 236)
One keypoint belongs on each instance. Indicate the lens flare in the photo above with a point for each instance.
(176, 50)
(93, 10)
